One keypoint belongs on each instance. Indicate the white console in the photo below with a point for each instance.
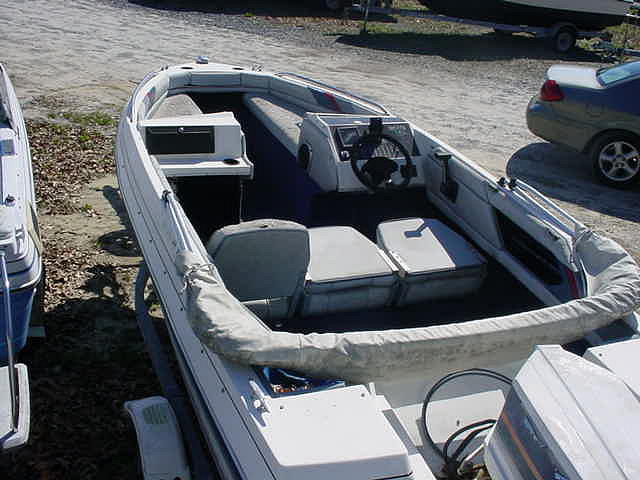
(329, 141)
(205, 145)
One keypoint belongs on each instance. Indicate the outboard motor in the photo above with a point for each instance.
(566, 418)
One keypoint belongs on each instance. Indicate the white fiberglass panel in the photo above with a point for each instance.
(607, 7)
(338, 433)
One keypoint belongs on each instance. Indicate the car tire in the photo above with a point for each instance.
(333, 5)
(615, 159)
(564, 40)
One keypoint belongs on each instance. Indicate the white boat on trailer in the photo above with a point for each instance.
(563, 22)
(21, 283)
(321, 263)
(584, 14)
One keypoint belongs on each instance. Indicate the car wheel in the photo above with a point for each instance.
(333, 5)
(616, 159)
(564, 40)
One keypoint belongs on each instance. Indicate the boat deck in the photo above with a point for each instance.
(281, 189)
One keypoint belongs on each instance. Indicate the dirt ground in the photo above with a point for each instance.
(72, 59)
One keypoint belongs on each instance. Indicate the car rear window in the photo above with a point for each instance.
(610, 75)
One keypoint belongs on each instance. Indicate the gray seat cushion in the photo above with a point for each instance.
(434, 261)
(180, 105)
(346, 272)
(262, 259)
(281, 118)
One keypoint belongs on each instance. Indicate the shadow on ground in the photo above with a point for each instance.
(122, 243)
(257, 8)
(460, 47)
(566, 175)
(92, 361)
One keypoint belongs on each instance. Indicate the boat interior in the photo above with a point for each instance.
(323, 213)
(355, 230)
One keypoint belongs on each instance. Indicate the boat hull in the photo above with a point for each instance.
(523, 13)
(23, 258)
(22, 302)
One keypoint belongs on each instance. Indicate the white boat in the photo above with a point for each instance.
(321, 262)
(583, 14)
(20, 265)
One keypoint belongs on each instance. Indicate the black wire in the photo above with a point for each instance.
(444, 380)
(452, 464)
(483, 423)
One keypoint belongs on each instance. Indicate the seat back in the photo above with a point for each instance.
(262, 259)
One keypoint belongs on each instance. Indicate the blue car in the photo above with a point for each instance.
(596, 112)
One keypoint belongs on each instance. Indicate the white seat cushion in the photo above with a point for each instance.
(434, 262)
(346, 272)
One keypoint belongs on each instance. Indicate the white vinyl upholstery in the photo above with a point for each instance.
(434, 262)
(281, 118)
(347, 272)
(263, 264)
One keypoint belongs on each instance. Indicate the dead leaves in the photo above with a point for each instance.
(65, 158)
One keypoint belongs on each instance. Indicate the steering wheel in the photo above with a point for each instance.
(384, 156)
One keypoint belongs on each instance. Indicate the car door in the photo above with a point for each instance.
(621, 106)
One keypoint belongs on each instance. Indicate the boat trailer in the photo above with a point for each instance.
(563, 35)
(620, 53)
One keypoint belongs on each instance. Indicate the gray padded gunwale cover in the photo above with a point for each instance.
(422, 246)
(229, 329)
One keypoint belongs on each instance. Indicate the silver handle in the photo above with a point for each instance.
(13, 385)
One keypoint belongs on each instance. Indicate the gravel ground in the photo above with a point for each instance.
(75, 62)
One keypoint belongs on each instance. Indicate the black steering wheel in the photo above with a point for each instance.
(384, 156)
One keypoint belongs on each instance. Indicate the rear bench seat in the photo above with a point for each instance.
(434, 262)
(281, 118)
(347, 272)
(264, 263)
(280, 269)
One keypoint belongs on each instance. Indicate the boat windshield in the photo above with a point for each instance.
(609, 75)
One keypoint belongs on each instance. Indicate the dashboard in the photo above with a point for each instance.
(347, 131)
(333, 138)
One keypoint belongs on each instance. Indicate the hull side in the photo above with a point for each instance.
(21, 307)
(24, 264)
(513, 13)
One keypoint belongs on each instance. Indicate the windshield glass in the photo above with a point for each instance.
(619, 72)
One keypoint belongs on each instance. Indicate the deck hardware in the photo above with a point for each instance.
(13, 381)
(448, 187)
(260, 402)
(409, 171)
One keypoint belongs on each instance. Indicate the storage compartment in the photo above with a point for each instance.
(434, 262)
(208, 144)
(177, 140)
